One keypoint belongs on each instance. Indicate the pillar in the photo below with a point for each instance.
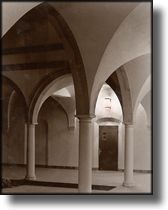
(85, 154)
(25, 143)
(31, 152)
(129, 156)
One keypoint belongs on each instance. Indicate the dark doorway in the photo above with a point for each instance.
(108, 148)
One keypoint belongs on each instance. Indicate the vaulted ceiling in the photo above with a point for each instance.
(34, 44)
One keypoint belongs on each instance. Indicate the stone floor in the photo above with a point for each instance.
(108, 178)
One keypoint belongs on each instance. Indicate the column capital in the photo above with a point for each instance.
(85, 116)
(31, 123)
(129, 124)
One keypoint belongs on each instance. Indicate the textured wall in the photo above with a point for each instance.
(13, 136)
(62, 141)
(57, 145)
(142, 141)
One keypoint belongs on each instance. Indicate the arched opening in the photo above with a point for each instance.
(27, 47)
(55, 105)
(38, 49)
(57, 144)
(108, 133)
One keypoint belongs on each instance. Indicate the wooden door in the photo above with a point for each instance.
(108, 147)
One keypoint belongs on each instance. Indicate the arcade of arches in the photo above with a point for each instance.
(76, 97)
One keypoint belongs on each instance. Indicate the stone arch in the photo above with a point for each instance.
(44, 91)
(18, 91)
(118, 51)
(75, 63)
(126, 95)
(143, 92)
(118, 81)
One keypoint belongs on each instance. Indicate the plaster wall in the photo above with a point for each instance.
(140, 66)
(107, 104)
(62, 140)
(41, 142)
(13, 136)
(13, 11)
(146, 103)
(62, 149)
(142, 141)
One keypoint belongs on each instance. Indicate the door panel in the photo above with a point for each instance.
(108, 147)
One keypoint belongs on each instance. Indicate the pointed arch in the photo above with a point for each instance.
(75, 63)
(118, 81)
(8, 81)
(71, 48)
(131, 40)
(51, 84)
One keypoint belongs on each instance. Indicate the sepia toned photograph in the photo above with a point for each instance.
(76, 97)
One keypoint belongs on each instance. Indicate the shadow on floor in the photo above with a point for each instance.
(14, 183)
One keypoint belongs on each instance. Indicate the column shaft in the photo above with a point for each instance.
(31, 153)
(25, 144)
(85, 155)
(129, 156)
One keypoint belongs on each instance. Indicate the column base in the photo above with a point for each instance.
(31, 178)
(128, 184)
(85, 191)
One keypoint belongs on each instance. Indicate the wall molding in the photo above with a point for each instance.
(69, 167)
(43, 166)
(138, 171)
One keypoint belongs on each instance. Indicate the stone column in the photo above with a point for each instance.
(25, 143)
(85, 154)
(31, 152)
(129, 156)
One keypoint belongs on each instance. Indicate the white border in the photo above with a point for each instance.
(6, 202)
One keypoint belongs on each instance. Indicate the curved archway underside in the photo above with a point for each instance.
(118, 81)
(118, 51)
(38, 18)
(123, 37)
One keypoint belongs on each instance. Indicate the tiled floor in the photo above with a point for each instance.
(109, 178)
